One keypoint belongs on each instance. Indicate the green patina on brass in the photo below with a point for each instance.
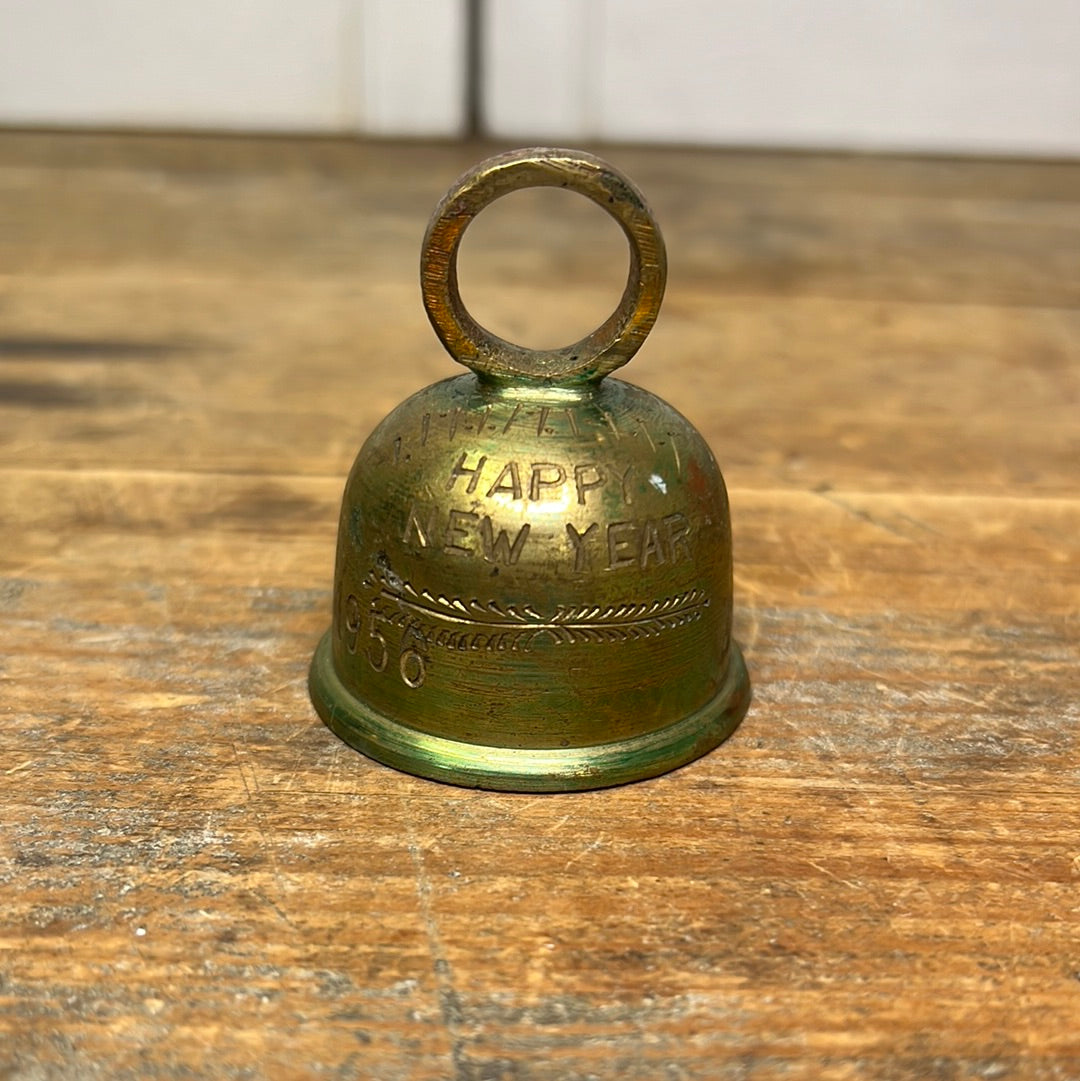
(533, 588)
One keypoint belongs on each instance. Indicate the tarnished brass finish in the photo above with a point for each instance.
(533, 588)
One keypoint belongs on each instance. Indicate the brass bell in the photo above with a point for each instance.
(533, 588)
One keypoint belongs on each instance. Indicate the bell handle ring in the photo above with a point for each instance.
(608, 347)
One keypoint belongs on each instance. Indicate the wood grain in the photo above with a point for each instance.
(877, 877)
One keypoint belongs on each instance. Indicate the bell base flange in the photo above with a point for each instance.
(515, 769)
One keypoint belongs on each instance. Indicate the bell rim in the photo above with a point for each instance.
(513, 769)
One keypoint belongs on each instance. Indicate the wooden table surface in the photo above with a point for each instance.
(878, 876)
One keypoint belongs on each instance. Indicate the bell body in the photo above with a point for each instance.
(533, 589)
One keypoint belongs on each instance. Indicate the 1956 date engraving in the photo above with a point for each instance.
(411, 660)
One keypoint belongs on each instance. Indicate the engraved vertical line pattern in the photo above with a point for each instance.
(512, 418)
(644, 429)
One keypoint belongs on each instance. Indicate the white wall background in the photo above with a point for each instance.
(997, 76)
(940, 75)
(371, 66)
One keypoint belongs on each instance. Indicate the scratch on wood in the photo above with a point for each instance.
(591, 847)
(449, 1002)
(268, 841)
(842, 881)
(861, 515)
